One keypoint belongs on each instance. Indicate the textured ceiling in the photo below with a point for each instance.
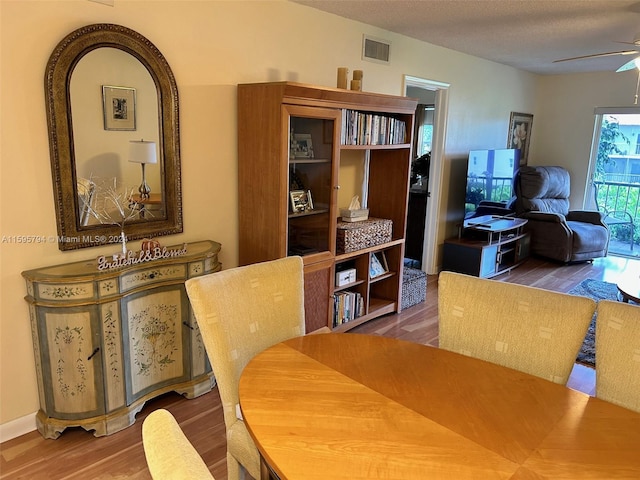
(526, 34)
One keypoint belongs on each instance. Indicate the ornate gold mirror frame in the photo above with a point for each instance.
(72, 233)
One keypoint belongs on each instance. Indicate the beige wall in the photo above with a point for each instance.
(212, 46)
(565, 125)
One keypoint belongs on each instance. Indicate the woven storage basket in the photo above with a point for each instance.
(355, 236)
(414, 287)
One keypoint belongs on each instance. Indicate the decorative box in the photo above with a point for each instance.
(414, 287)
(354, 236)
(345, 277)
(358, 215)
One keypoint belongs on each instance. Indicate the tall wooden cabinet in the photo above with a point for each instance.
(106, 341)
(300, 163)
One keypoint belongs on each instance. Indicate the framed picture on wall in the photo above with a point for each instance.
(119, 107)
(520, 125)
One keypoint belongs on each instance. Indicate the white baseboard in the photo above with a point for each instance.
(17, 427)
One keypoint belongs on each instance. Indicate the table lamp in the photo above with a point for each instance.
(143, 152)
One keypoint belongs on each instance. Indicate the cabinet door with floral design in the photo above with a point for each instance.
(73, 364)
(157, 324)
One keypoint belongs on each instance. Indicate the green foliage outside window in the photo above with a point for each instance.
(615, 197)
(609, 133)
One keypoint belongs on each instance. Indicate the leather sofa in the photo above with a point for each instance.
(542, 197)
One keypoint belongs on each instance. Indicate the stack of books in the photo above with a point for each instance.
(346, 307)
(362, 128)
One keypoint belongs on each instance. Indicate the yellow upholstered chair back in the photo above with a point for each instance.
(240, 312)
(618, 354)
(170, 456)
(525, 328)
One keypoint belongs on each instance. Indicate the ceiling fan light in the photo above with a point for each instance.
(630, 65)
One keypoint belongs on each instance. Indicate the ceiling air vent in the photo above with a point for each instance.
(375, 49)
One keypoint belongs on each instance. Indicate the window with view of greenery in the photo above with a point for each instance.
(617, 177)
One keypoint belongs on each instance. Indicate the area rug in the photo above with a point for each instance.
(597, 290)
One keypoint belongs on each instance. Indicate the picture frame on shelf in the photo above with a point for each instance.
(301, 201)
(119, 108)
(520, 125)
(378, 265)
(302, 145)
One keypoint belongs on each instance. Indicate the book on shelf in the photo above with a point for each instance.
(362, 128)
(347, 306)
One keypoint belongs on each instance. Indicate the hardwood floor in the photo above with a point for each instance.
(77, 454)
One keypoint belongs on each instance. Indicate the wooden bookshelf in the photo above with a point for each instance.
(293, 136)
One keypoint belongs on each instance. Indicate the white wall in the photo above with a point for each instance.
(212, 46)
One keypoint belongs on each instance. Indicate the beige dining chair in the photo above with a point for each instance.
(618, 353)
(240, 312)
(529, 329)
(169, 454)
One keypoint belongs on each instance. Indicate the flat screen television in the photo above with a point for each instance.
(490, 177)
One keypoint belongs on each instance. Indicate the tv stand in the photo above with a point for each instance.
(487, 246)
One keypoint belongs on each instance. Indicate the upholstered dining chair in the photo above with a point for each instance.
(529, 329)
(240, 312)
(618, 353)
(170, 455)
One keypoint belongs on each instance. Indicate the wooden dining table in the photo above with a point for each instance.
(352, 406)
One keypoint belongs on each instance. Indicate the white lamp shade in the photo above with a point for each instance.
(142, 152)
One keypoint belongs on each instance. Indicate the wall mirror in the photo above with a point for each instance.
(107, 88)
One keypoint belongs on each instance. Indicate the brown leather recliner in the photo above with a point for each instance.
(542, 197)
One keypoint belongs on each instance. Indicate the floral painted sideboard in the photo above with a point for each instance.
(108, 340)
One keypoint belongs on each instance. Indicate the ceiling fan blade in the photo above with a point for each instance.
(629, 65)
(595, 55)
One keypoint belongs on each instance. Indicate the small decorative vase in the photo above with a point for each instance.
(343, 72)
(148, 245)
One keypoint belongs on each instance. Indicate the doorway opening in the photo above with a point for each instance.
(614, 176)
(424, 203)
